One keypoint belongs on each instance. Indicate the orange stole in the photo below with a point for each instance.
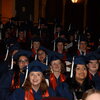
(30, 96)
(53, 82)
(15, 86)
(34, 52)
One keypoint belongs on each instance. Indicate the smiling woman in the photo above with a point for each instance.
(35, 87)
(80, 81)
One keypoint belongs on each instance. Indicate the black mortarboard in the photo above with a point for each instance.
(10, 42)
(36, 39)
(83, 38)
(56, 56)
(23, 52)
(92, 56)
(15, 47)
(61, 40)
(37, 66)
(80, 60)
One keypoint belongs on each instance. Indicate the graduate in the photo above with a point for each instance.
(57, 78)
(44, 55)
(59, 46)
(79, 81)
(35, 45)
(21, 39)
(35, 87)
(93, 69)
(14, 78)
(82, 46)
(5, 65)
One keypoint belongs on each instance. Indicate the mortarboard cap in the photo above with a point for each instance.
(61, 40)
(36, 39)
(37, 66)
(92, 56)
(56, 56)
(15, 47)
(80, 60)
(23, 52)
(83, 38)
(10, 42)
(45, 49)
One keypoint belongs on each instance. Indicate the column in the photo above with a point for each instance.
(36, 11)
(63, 14)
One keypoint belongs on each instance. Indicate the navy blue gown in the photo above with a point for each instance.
(6, 82)
(19, 94)
(62, 89)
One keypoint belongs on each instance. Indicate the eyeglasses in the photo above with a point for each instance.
(23, 61)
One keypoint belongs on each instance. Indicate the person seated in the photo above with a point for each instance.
(35, 87)
(14, 78)
(57, 79)
(93, 69)
(35, 45)
(91, 94)
(79, 81)
(82, 46)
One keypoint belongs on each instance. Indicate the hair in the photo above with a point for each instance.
(86, 80)
(42, 50)
(75, 66)
(16, 75)
(22, 55)
(43, 85)
(90, 92)
(62, 66)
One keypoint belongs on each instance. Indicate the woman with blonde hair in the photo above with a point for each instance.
(91, 94)
(57, 78)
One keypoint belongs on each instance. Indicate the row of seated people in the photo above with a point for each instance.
(29, 77)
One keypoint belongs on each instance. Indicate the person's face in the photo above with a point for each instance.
(93, 65)
(56, 66)
(23, 61)
(21, 34)
(58, 29)
(81, 72)
(36, 45)
(95, 96)
(83, 45)
(35, 78)
(41, 55)
(60, 46)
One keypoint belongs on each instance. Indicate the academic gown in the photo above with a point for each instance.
(4, 67)
(78, 89)
(95, 80)
(19, 94)
(62, 89)
(5, 84)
